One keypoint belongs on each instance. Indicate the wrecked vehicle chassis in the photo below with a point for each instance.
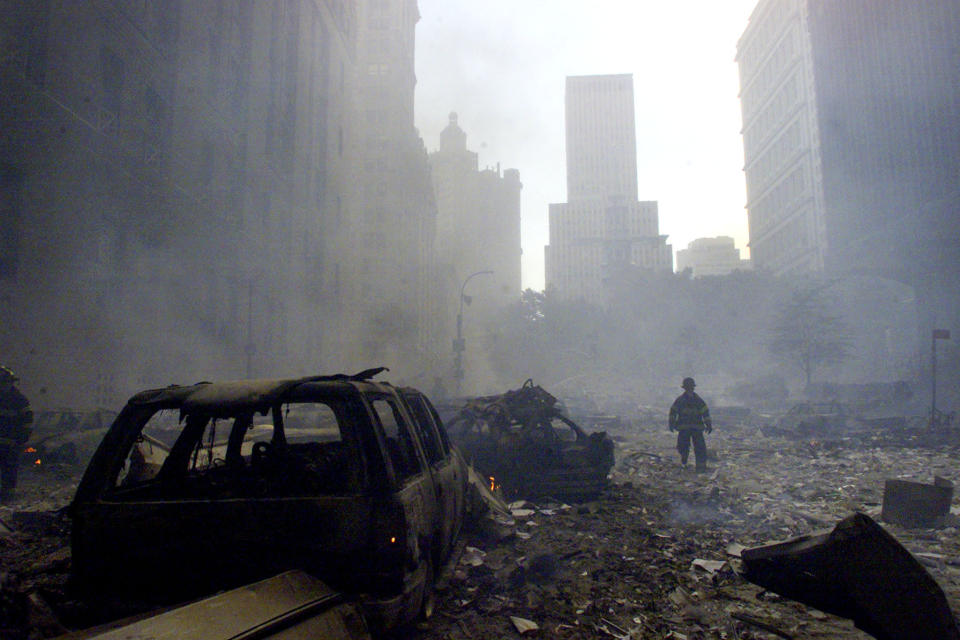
(523, 443)
(356, 484)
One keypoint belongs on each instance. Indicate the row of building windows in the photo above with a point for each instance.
(591, 117)
(570, 225)
(764, 169)
(783, 246)
(779, 200)
(344, 16)
(651, 256)
(763, 35)
(770, 119)
(758, 90)
(599, 84)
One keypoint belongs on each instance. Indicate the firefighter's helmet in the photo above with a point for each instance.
(688, 383)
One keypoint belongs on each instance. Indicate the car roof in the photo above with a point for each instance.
(243, 395)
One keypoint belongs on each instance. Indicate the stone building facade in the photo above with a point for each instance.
(850, 145)
(478, 229)
(781, 140)
(387, 266)
(181, 184)
(711, 257)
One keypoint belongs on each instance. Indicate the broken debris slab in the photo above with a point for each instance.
(857, 571)
(913, 504)
(292, 605)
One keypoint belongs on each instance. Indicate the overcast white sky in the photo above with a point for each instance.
(501, 65)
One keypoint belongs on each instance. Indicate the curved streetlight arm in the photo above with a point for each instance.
(459, 345)
(468, 278)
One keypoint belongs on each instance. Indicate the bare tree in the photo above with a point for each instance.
(807, 334)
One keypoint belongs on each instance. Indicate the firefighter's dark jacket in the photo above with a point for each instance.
(689, 411)
(15, 417)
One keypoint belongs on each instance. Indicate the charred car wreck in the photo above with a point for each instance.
(211, 486)
(524, 444)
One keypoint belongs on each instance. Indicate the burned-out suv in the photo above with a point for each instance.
(198, 488)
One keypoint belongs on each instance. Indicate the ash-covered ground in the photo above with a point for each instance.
(647, 559)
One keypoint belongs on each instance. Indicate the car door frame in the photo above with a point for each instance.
(447, 472)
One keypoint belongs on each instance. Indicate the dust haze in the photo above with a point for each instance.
(220, 190)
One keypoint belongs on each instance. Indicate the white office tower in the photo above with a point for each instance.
(603, 229)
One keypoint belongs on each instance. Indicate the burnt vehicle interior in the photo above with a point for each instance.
(297, 447)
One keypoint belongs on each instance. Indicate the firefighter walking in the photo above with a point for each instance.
(689, 417)
(15, 419)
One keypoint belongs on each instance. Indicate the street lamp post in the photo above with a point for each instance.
(459, 343)
(938, 334)
(250, 348)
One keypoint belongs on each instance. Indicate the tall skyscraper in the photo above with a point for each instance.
(851, 144)
(602, 227)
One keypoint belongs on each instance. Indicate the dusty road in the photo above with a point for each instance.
(621, 566)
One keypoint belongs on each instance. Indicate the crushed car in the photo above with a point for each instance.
(522, 442)
(210, 486)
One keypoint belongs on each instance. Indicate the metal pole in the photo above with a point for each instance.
(458, 351)
(933, 378)
(460, 344)
(250, 346)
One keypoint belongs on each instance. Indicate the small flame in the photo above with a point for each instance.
(493, 483)
(37, 461)
(31, 450)
(393, 539)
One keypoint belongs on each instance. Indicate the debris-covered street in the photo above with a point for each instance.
(652, 557)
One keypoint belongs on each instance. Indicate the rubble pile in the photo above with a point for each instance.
(655, 555)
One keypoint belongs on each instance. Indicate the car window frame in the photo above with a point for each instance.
(404, 422)
(429, 424)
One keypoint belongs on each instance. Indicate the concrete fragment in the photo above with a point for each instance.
(913, 504)
(857, 571)
(710, 566)
(472, 557)
(292, 605)
(523, 625)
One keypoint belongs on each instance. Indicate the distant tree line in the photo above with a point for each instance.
(655, 328)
